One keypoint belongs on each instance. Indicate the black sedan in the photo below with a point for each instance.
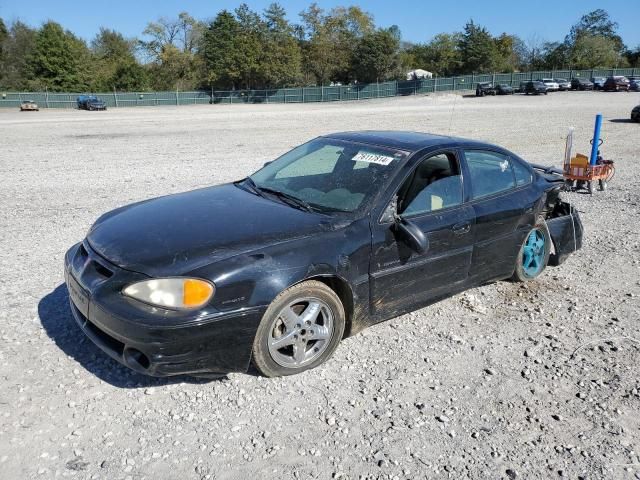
(504, 89)
(485, 88)
(535, 87)
(581, 84)
(90, 102)
(336, 235)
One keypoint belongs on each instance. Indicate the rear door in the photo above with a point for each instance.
(503, 203)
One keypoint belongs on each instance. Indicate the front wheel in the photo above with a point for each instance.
(300, 330)
(534, 253)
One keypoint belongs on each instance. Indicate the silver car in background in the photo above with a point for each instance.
(563, 84)
(551, 84)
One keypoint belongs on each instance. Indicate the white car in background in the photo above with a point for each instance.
(563, 84)
(551, 84)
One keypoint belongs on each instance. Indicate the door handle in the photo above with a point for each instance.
(461, 228)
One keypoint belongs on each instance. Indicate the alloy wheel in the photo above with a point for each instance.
(301, 332)
(533, 253)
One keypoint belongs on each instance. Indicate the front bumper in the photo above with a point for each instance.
(150, 340)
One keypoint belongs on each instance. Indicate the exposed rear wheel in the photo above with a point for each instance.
(300, 330)
(534, 253)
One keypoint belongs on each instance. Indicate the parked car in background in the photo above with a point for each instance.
(90, 102)
(598, 82)
(536, 87)
(29, 106)
(503, 89)
(615, 84)
(551, 84)
(634, 84)
(581, 84)
(485, 88)
(635, 114)
(563, 84)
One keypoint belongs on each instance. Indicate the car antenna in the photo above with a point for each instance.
(455, 98)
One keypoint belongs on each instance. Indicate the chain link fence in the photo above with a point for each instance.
(303, 94)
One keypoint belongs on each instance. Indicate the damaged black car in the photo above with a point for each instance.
(343, 232)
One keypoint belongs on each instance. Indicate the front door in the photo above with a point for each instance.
(432, 198)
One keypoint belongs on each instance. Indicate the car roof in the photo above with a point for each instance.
(403, 140)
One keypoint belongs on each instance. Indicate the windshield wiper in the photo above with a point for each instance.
(287, 198)
(251, 185)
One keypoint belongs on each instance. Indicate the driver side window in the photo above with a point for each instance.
(435, 184)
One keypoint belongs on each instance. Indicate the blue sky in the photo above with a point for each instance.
(419, 20)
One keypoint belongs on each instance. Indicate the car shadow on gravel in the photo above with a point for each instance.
(621, 120)
(57, 320)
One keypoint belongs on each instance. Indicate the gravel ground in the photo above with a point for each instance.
(505, 381)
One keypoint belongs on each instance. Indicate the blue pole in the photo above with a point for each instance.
(596, 140)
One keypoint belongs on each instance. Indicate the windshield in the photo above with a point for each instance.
(329, 174)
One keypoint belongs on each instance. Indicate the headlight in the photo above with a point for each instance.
(172, 292)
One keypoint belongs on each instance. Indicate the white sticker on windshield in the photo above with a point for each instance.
(372, 158)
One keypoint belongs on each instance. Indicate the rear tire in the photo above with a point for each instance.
(299, 331)
(534, 252)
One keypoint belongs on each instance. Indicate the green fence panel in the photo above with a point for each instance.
(331, 93)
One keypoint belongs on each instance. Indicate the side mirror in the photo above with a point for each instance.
(411, 234)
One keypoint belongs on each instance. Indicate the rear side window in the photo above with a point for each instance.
(523, 174)
(490, 172)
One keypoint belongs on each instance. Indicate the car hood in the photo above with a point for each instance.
(176, 234)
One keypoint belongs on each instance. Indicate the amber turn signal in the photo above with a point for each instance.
(172, 293)
(196, 293)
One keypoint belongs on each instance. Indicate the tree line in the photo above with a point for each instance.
(245, 49)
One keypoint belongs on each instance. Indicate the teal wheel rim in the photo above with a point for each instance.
(533, 253)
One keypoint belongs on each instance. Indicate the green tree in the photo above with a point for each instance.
(4, 35)
(477, 49)
(112, 53)
(329, 41)
(507, 53)
(249, 42)
(59, 61)
(16, 49)
(129, 76)
(595, 51)
(218, 51)
(596, 23)
(171, 46)
(376, 56)
(555, 55)
(633, 57)
(440, 56)
(281, 61)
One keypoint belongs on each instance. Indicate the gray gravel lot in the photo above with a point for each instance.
(505, 381)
